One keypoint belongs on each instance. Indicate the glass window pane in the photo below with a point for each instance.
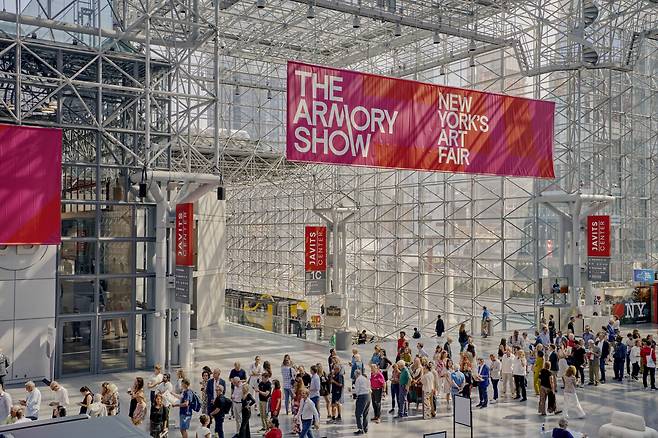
(114, 344)
(145, 221)
(78, 182)
(143, 325)
(77, 257)
(76, 296)
(145, 257)
(144, 294)
(76, 347)
(78, 220)
(115, 294)
(116, 221)
(116, 258)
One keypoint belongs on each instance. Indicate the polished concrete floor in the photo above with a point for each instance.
(221, 346)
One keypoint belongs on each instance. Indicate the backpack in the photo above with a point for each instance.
(195, 403)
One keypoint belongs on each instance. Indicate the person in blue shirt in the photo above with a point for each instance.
(561, 431)
(619, 356)
(457, 379)
(185, 408)
(486, 320)
(482, 378)
(610, 328)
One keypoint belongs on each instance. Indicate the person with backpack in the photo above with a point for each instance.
(221, 407)
(186, 406)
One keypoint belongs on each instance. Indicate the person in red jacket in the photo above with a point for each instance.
(274, 431)
(648, 358)
(401, 341)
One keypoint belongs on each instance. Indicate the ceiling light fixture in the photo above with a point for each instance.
(472, 46)
(310, 14)
(437, 37)
(442, 70)
(260, 4)
(472, 62)
(356, 22)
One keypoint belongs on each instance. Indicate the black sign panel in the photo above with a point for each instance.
(183, 284)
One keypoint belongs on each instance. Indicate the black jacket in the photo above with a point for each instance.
(440, 327)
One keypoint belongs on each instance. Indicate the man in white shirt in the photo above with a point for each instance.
(507, 364)
(32, 402)
(308, 415)
(362, 391)
(314, 387)
(5, 405)
(60, 399)
(236, 398)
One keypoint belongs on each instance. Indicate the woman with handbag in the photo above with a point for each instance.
(159, 417)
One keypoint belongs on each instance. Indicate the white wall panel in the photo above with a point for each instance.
(35, 299)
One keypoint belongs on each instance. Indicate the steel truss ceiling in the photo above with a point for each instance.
(196, 85)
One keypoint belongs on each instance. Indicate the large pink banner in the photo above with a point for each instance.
(30, 185)
(344, 117)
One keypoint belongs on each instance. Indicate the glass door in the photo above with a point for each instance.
(115, 334)
(76, 340)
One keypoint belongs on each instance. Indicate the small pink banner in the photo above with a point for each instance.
(30, 185)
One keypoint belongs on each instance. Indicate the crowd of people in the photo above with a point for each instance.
(413, 381)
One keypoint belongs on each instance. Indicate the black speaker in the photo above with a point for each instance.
(221, 194)
(142, 190)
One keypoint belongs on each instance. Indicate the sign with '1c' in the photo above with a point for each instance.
(315, 260)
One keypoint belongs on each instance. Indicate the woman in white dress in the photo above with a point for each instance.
(572, 408)
(255, 373)
(562, 366)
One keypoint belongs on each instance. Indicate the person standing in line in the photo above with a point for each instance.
(221, 407)
(236, 398)
(178, 387)
(463, 337)
(247, 402)
(446, 347)
(140, 409)
(287, 377)
(572, 406)
(570, 325)
(395, 387)
(137, 388)
(562, 366)
(427, 386)
(377, 387)
(457, 379)
(159, 416)
(494, 374)
(32, 401)
(5, 405)
(110, 397)
(206, 401)
(440, 327)
(482, 379)
(308, 416)
(264, 393)
(154, 380)
(87, 399)
(546, 388)
(537, 367)
(384, 364)
(593, 358)
(648, 355)
(629, 342)
(274, 431)
(4, 365)
(184, 404)
(255, 373)
(314, 388)
(362, 406)
(619, 358)
(507, 368)
(204, 431)
(275, 400)
(635, 359)
(578, 359)
(337, 381)
(405, 384)
(519, 370)
(604, 345)
(554, 362)
(60, 399)
(325, 388)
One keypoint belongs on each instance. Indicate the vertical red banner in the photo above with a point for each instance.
(184, 242)
(315, 248)
(598, 236)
